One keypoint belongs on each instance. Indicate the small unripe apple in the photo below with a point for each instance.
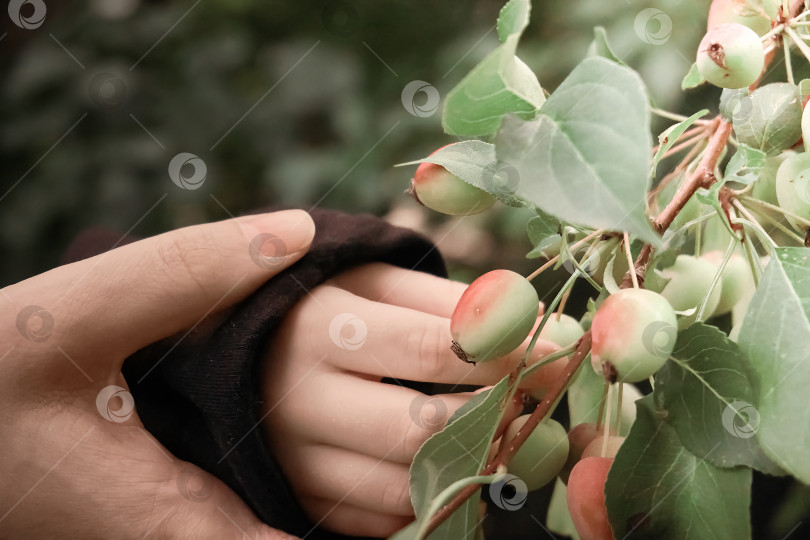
(563, 332)
(579, 437)
(731, 56)
(594, 449)
(586, 498)
(793, 187)
(543, 454)
(442, 191)
(736, 281)
(764, 188)
(493, 316)
(633, 334)
(689, 281)
(738, 11)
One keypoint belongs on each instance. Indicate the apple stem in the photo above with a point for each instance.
(608, 412)
(630, 259)
(717, 275)
(601, 412)
(763, 215)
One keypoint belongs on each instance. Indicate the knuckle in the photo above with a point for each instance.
(408, 437)
(186, 258)
(396, 496)
(426, 345)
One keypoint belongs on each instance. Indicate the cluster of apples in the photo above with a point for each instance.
(495, 315)
(731, 55)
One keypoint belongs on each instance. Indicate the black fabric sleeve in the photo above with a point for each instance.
(198, 392)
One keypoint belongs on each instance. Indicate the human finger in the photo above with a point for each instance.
(142, 292)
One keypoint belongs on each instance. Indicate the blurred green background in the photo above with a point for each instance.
(294, 103)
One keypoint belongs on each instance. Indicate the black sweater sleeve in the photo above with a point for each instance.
(197, 392)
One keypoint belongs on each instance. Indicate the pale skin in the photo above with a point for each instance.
(343, 438)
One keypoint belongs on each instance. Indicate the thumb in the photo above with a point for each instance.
(205, 508)
(142, 292)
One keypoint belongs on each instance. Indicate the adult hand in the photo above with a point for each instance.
(75, 460)
(344, 439)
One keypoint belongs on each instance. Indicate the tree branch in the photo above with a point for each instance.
(506, 452)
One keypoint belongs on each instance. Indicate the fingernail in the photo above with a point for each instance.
(279, 234)
(483, 389)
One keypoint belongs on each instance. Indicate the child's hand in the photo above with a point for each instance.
(75, 460)
(344, 439)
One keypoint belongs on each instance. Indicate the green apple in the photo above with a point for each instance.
(543, 454)
(689, 282)
(793, 187)
(736, 281)
(493, 317)
(440, 190)
(633, 334)
(731, 56)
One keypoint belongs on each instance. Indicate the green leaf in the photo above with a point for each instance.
(513, 18)
(769, 119)
(475, 162)
(558, 519)
(501, 84)
(657, 489)
(745, 165)
(702, 388)
(601, 47)
(586, 158)
(775, 336)
(407, 533)
(544, 234)
(458, 451)
(692, 79)
(669, 137)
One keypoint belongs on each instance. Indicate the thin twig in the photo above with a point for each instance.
(507, 451)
